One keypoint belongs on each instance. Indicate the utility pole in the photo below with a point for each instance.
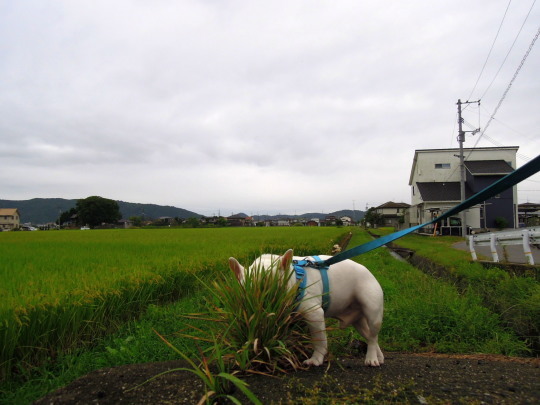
(461, 140)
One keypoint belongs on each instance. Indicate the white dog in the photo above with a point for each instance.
(355, 298)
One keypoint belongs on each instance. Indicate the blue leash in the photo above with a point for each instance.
(500, 185)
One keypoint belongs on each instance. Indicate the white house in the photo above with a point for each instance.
(435, 185)
(346, 220)
(393, 213)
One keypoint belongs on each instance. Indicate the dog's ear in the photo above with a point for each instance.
(286, 260)
(237, 268)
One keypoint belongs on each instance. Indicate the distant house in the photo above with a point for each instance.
(529, 214)
(236, 220)
(393, 214)
(435, 186)
(9, 219)
(297, 221)
(330, 220)
(214, 220)
(166, 220)
(71, 222)
(347, 221)
(126, 223)
(283, 222)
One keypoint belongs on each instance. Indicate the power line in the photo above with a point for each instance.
(502, 98)
(507, 89)
(497, 143)
(453, 130)
(510, 50)
(490, 50)
(509, 127)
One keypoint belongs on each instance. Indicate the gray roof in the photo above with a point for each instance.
(448, 191)
(488, 167)
(391, 204)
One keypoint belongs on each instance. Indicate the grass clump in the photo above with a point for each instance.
(251, 327)
(255, 322)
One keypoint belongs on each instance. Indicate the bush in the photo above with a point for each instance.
(501, 223)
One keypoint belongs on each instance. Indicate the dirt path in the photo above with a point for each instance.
(404, 378)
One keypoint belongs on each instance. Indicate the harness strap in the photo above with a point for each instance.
(326, 284)
(300, 271)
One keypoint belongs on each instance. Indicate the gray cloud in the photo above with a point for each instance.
(245, 107)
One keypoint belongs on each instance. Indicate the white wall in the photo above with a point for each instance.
(423, 171)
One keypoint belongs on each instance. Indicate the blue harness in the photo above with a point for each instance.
(300, 270)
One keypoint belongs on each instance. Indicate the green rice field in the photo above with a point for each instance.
(76, 301)
(62, 289)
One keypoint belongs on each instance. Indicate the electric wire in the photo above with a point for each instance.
(501, 100)
(509, 127)
(499, 144)
(509, 50)
(508, 87)
(453, 130)
(507, 90)
(490, 50)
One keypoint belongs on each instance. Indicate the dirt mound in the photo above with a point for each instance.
(414, 378)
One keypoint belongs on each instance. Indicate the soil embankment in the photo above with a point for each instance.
(404, 378)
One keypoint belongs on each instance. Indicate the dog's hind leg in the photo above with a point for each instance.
(370, 332)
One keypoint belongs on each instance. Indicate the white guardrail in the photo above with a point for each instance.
(525, 237)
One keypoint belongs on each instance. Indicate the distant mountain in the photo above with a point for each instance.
(355, 215)
(153, 211)
(43, 210)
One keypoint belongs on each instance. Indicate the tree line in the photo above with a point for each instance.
(92, 211)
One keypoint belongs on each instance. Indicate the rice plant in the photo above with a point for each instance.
(61, 290)
(256, 321)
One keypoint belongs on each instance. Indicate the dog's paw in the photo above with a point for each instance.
(314, 361)
(373, 362)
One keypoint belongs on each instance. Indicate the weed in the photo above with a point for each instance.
(256, 321)
(218, 384)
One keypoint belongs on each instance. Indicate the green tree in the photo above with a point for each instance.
(193, 222)
(97, 210)
(137, 221)
(66, 216)
(372, 218)
(222, 222)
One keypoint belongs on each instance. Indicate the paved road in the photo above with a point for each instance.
(514, 252)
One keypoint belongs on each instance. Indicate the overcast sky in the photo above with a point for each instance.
(255, 106)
